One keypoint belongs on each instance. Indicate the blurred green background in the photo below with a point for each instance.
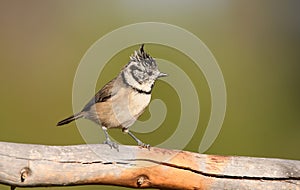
(256, 44)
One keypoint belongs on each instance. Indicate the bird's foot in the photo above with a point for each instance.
(139, 142)
(112, 144)
(143, 145)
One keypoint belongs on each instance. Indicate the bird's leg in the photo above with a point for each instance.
(139, 142)
(108, 141)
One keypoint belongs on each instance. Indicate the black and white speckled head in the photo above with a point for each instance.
(141, 71)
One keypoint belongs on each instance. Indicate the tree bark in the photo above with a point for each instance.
(27, 165)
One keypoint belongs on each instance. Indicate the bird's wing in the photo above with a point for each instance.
(102, 95)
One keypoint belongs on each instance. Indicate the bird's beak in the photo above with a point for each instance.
(162, 75)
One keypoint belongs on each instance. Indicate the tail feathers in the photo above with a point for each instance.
(70, 119)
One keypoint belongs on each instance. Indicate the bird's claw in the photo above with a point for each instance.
(143, 145)
(112, 144)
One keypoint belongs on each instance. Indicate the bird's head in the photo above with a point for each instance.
(142, 70)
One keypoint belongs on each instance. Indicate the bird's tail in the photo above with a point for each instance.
(70, 119)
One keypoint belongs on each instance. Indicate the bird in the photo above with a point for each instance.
(122, 100)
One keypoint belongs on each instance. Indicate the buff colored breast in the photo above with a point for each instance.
(123, 109)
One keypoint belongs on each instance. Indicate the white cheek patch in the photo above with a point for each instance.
(130, 80)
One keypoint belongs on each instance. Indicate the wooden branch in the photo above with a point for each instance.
(27, 165)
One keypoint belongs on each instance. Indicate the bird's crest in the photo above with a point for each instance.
(140, 55)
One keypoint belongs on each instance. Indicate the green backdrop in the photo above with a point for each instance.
(256, 44)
